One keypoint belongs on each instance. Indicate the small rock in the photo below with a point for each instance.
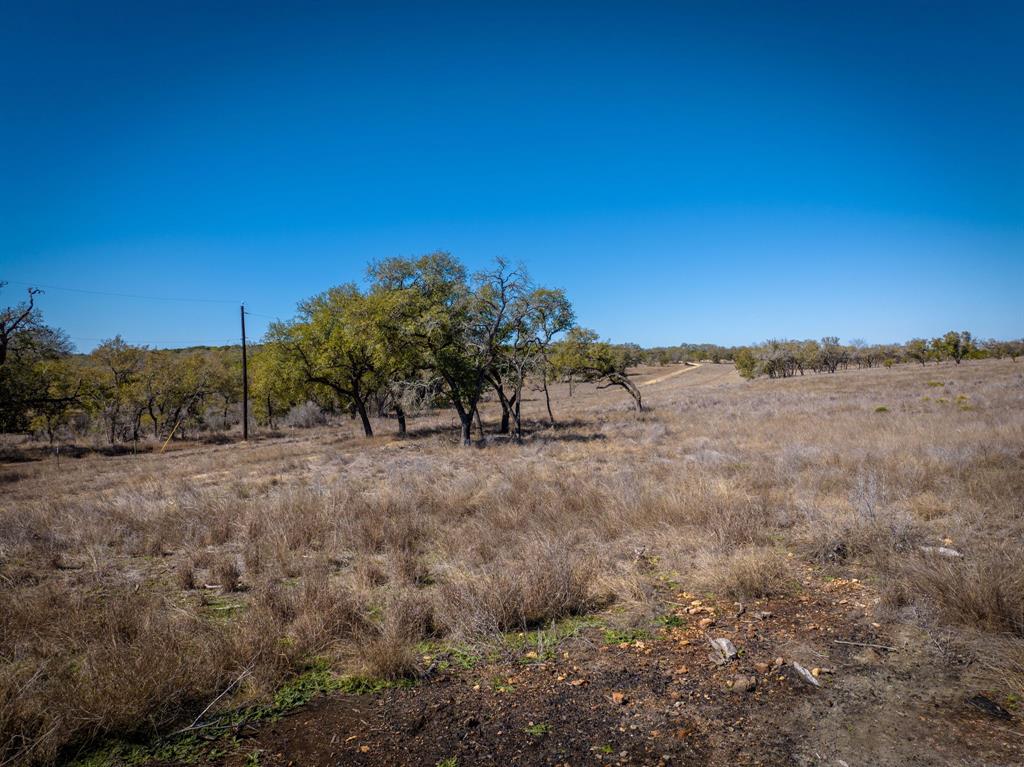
(815, 672)
(779, 661)
(761, 668)
(744, 683)
(619, 698)
(806, 675)
(942, 551)
(706, 622)
(763, 615)
(723, 650)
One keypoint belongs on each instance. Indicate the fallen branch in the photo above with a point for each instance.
(869, 644)
(225, 691)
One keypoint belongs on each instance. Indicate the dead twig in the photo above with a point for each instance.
(869, 644)
(245, 672)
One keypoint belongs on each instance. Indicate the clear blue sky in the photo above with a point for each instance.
(705, 171)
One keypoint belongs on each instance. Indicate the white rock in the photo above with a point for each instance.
(942, 551)
(806, 675)
(724, 650)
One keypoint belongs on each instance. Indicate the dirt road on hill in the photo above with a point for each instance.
(689, 366)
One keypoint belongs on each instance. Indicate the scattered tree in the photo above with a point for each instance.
(586, 358)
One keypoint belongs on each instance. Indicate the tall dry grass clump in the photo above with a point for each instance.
(983, 591)
(549, 582)
(746, 573)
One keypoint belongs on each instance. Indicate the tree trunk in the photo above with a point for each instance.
(518, 415)
(467, 424)
(506, 407)
(635, 392)
(503, 429)
(547, 401)
(400, 415)
(361, 409)
(479, 423)
(630, 387)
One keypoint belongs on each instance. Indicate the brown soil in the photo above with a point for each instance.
(661, 700)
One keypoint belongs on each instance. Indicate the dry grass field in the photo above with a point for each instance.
(136, 590)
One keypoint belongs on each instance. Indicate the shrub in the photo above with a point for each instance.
(108, 662)
(228, 575)
(184, 574)
(984, 591)
(306, 416)
(391, 653)
(549, 583)
(747, 573)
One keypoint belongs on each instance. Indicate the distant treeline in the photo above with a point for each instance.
(423, 335)
(783, 358)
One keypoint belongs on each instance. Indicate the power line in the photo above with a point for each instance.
(257, 314)
(124, 295)
(178, 343)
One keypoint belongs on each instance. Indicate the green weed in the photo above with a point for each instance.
(625, 636)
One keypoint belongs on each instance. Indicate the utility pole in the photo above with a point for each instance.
(245, 382)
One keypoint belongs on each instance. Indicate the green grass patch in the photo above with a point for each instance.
(625, 636)
(672, 620)
(501, 685)
(537, 646)
(447, 656)
(881, 409)
(537, 729)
